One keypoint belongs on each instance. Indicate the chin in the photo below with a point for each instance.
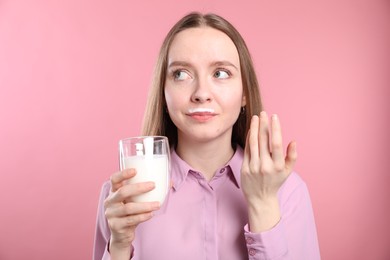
(207, 136)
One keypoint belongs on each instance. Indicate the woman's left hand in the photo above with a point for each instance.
(264, 170)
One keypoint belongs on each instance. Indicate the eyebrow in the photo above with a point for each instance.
(224, 63)
(213, 64)
(179, 64)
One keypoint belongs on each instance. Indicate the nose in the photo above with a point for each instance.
(201, 92)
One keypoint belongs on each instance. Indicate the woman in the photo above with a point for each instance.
(233, 194)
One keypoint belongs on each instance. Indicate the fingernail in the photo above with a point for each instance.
(263, 114)
(274, 117)
(129, 172)
(126, 173)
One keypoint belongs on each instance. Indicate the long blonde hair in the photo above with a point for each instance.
(156, 119)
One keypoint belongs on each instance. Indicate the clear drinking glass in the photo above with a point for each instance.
(150, 156)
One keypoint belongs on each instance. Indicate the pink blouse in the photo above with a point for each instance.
(208, 220)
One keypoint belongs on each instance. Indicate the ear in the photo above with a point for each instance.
(243, 102)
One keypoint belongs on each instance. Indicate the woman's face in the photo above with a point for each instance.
(203, 87)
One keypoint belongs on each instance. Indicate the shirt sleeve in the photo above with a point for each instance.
(102, 231)
(295, 236)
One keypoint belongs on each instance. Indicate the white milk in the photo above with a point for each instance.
(150, 168)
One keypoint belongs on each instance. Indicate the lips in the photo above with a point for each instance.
(202, 117)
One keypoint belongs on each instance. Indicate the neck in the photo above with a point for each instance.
(205, 157)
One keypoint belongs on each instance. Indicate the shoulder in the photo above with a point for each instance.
(292, 182)
(293, 190)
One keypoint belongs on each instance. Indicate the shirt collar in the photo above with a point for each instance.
(180, 169)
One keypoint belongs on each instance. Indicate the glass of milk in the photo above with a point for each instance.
(150, 156)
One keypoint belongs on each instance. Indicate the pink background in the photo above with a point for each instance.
(74, 77)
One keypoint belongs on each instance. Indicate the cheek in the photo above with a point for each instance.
(234, 99)
(168, 97)
(172, 100)
(234, 102)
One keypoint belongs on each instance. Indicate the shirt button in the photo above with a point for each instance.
(222, 170)
(250, 240)
(252, 252)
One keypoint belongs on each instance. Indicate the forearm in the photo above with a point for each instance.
(120, 251)
(294, 236)
(263, 214)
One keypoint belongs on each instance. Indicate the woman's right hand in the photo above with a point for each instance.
(123, 215)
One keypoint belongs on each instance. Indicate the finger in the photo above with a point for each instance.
(276, 141)
(264, 136)
(118, 178)
(132, 209)
(130, 190)
(291, 156)
(253, 138)
(245, 161)
(133, 220)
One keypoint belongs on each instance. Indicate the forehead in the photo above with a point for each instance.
(203, 43)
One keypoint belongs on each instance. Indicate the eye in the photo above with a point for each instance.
(180, 75)
(222, 74)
